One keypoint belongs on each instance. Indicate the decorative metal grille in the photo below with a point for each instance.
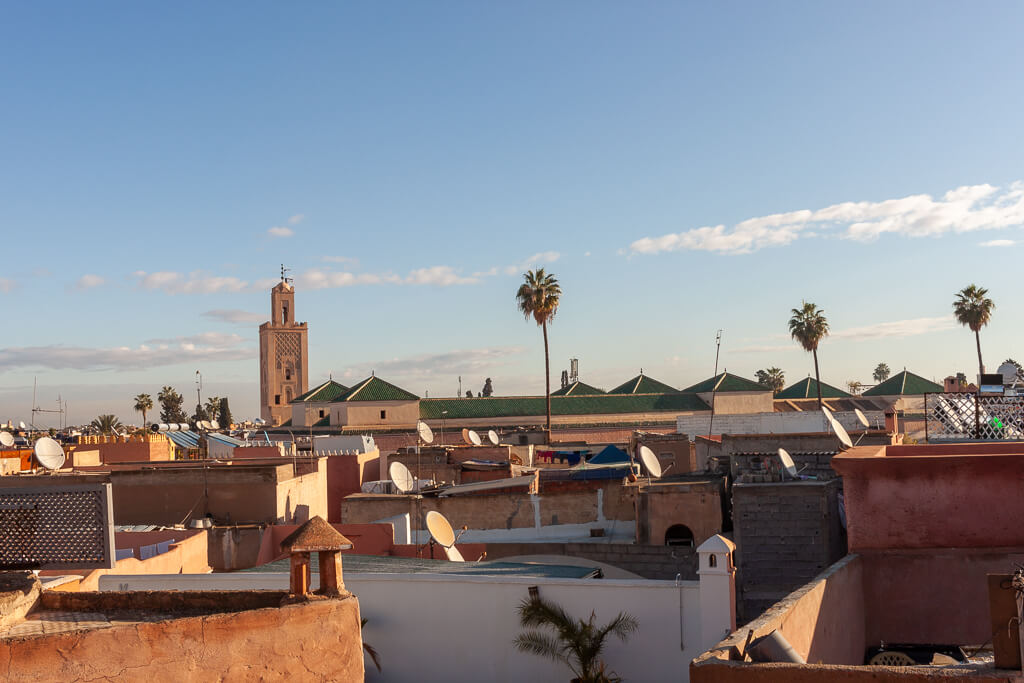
(56, 527)
(970, 417)
(287, 345)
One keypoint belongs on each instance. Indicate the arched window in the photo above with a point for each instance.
(288, 396)
(679, 534)
(712, 560)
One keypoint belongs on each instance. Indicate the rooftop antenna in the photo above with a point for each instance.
(442, 533)
(574, 370)
(284, 275)
(714, 387)
(652, 464)
(36, 409)
(839, 430)
(788, 465)
(49, 453)
(460, 387)
(199, 389)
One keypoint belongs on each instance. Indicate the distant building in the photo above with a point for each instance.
(284, 356)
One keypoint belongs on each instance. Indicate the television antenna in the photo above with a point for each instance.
(442, 533)
(6, 440)
(284, 275)
(49, 453)
(61, 410)
(492, 436)
(718, 347)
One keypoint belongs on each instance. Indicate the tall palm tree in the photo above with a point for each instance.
(773, 378)
(973, 309)
(143, 404)
(575, 642)
(881, 373)
(809, 326)
(106, 424)
(213, 407)
(538, 298)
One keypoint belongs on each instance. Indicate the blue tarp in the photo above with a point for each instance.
(609, 456)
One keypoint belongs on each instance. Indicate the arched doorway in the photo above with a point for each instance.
(679, 534)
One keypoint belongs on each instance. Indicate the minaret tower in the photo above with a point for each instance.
(284, 350)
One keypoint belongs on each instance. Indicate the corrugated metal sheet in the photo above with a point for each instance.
(183, 439)
(224, 438)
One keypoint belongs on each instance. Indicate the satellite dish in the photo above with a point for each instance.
(465, 437)
(21, 425)
(440, 529)
(6, 440)
(492, 436)
(213, 425)
(474, 438)
(650, 461)
(861, 417)
(787, 463)
(826, 409)
(840, 431)
(402, 477)
(425, 433)
(49, 453)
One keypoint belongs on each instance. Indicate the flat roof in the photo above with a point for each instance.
(376, 564)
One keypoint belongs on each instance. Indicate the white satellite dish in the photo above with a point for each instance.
(401, 476)
(21, 425)
(492, 436)
(787, 463)
(650, 461)
(49, 453)
(213, 425)
(441, 531)
(861, 417)
(425, 433)
(840, 431)
(474, 438)
(6, 440)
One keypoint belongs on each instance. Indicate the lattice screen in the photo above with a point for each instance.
(56, 527)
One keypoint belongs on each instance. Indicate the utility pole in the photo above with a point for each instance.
(714, 387)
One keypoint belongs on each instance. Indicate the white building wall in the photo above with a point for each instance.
(461, 628)
(772, 423)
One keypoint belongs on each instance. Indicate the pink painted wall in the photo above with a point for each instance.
(367, 539)
(932, 501)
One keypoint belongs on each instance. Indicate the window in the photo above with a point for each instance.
(284, 313)
(712, 561)
(287, 373)
(288, 394)
(383, 414)
(321, 412)
(679, 534)
(277, 399)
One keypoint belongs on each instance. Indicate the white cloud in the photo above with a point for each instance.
(964, 209)
(998, 243)
(280, 231)
(328, 279)
(538, 259)
(206, 347)
(88, 281)
(234, 316)
(441, 276)
(339, 259)
(195, 282)
(296, 219)
(897, 328)
(467, 362)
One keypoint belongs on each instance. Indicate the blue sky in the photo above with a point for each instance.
(408, 161)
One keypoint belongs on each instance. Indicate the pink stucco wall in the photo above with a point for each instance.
(917, 500)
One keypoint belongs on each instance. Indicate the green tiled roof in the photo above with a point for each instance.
(808, 388)
(324, 421)
(599, 404)
(375, 389)
(903, 383)
(642, 384)
(577, 389)
(726, 382)
(328, 391)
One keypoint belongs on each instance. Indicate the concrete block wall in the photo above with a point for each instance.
(786, 534)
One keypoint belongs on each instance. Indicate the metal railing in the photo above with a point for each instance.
(968, 416)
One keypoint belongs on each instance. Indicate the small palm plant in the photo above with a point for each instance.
(370, 650)
(575, 642)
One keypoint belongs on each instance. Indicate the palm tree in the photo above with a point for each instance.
(809, 326)
(773, 378)
(143, 404)
(106, 424)
(973, 309)
(538, 298)
(576, 642)
(213, 407)
(881, 373)
(369, 649)
(854, 386)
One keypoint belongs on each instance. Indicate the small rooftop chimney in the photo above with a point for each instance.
(317, 536)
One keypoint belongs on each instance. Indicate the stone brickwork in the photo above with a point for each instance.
(786, 534)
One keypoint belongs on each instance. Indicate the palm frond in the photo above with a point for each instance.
(542, 645)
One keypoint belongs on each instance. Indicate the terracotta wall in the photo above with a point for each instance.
(932, 501)
(319, 640)
(367, 539)
(187, 555)
(132, 451)
(697, 506)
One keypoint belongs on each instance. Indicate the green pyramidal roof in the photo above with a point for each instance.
(903, 383)
(726, 382)
(642, 384)
(577, 389)
(375, 389)
(328, 391)
(598, 404)
(808, 388)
